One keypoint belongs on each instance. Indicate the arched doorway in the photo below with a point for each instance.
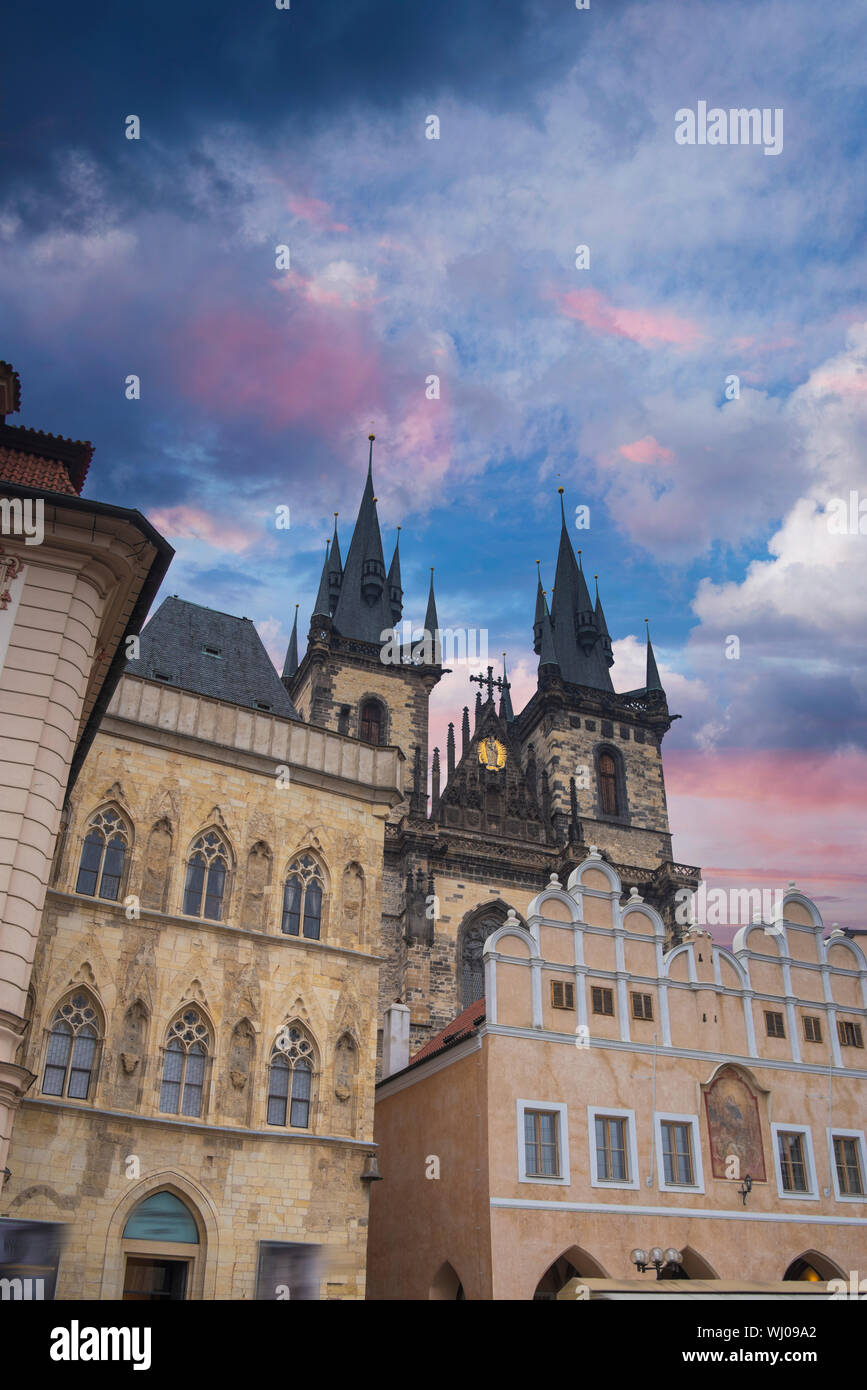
(812, 1268)
(574, 1263)
(446, 1284)
(160, 1244)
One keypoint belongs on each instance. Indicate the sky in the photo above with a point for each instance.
(711, 501)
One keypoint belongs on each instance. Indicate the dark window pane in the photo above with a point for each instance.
(194, 1077)
(56, 1059)
(194, 885)
(292, 906)
(278, 1091)
(173, 1069)
(214, 893)
(83, 1053)
(112, 868)
(300, 1096)
(312, 910)
(88, 872)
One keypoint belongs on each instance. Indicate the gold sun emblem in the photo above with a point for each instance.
(492, 753)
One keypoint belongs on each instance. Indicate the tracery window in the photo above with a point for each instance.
(207, 870)
(73, 1042)
(103, 856)
(290, 1079)
(186, 1057)
(302, 898)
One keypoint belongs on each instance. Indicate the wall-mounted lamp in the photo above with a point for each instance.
(660, 1259)
(745, 1188)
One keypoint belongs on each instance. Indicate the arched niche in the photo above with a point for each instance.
(446, 1284)
(573, 1263)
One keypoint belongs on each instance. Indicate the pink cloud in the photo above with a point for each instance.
(308, 369)
(189, 523)
(646, 450)
(753, 817)
(839, 383)
(316, 212)
(644, 326)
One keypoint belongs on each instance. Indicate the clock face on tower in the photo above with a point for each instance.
(492, 753)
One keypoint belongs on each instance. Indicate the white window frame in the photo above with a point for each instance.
(560, 1109)
(857, 1134)
(661, 1117)
(616, 1113)
(812, 1193)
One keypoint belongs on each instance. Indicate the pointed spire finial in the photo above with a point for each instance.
(596, 580)
(562, 507)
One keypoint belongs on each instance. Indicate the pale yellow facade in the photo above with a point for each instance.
(171, 766)
(706, 1062)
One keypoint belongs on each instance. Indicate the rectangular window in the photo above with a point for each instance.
(612, 1164)
(677, 1154)
(847, 1159)
(812, 1028)
(774, 1024)
(210, 651)
(793, 1168)
(642, 1006)
(562, 994)
(850, 1034)
(603, 1000)
(541, 1157)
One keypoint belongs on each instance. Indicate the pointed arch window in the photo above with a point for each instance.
(472, 963)
(302, 899)
(186, 1056)
(73, 1046)
(103, 856)
(290, 1079)
(372, 724)
(207, 871)
(608, 784)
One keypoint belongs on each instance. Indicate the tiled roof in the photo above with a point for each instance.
(28, 470)
(237, 669)
(461, 1027)
(74, 454)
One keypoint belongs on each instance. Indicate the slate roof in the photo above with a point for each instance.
(173, 643)
(463, 1026)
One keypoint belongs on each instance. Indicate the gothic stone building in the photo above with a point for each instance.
(523, 796)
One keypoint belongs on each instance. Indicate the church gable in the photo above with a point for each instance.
(489, 790)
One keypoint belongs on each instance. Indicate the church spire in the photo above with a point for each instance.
(431, 624)
(652, 681)
(548, 656)
(290, 665)
(322, 606)
(395, 591)
(604, 635)
(335, 569)
(363, 608)
(539, 618)
(580, 654)
(506, 712)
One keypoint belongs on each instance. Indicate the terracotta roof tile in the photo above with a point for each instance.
(28, 470)
(461, 1027)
